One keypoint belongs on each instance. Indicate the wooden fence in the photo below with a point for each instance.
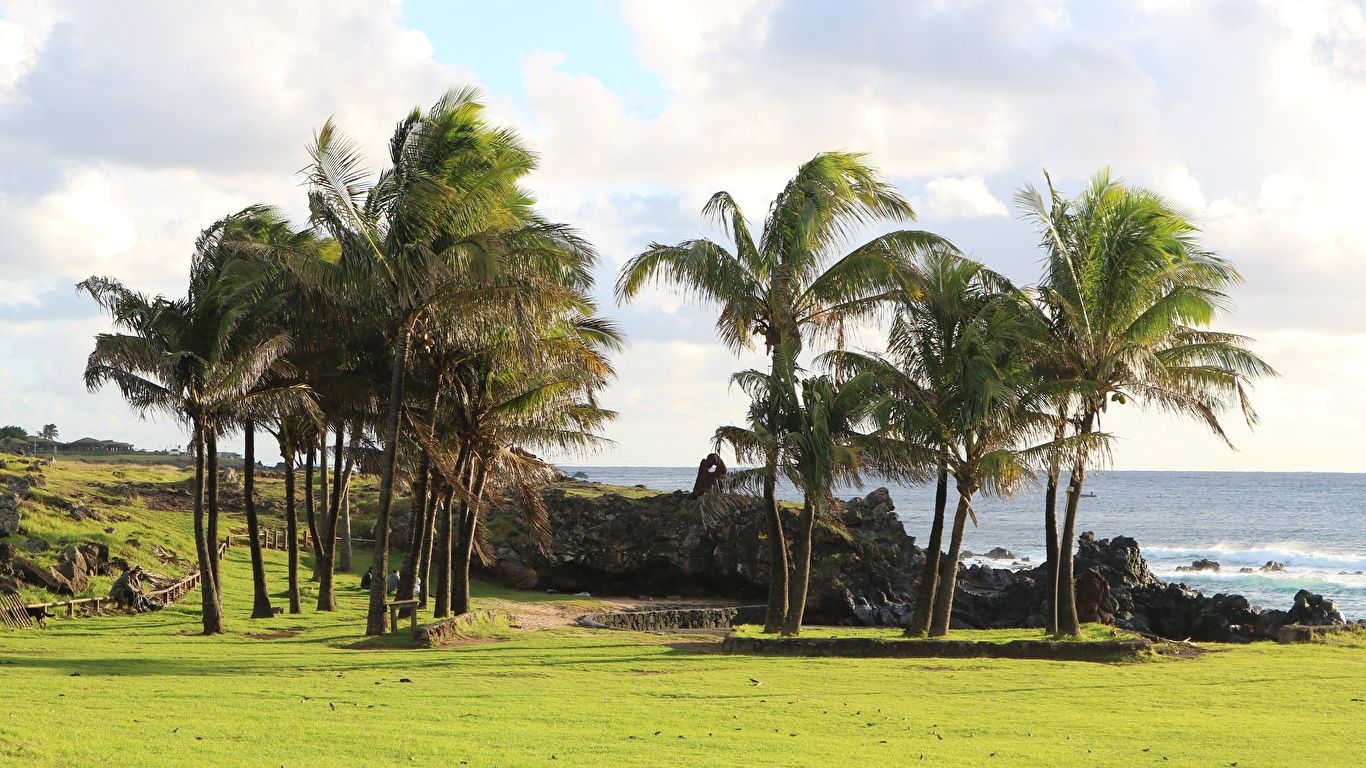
(9, 605)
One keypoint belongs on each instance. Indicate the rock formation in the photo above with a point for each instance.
(864, 569)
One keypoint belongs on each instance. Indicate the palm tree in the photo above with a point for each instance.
(994, 397)
(794, 284)
(505, 406)
(244, 264)
(447, 227)
(49, 432)
(157, 363)
(1130, 294)
(201, 359)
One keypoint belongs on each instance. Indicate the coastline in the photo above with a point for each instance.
(1238, 519)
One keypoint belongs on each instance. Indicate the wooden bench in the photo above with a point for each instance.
(397, 605)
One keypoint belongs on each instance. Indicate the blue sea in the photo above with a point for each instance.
(1314, 523)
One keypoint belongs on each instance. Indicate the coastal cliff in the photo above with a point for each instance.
(865, 569)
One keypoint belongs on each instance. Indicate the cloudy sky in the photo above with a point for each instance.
(127, 127)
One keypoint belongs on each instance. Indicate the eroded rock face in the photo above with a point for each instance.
(658, 546)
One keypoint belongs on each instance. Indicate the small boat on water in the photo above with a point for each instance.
(1088, 495)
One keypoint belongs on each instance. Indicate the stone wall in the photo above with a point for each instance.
(676, 618)
(866, 647)
(442, 632)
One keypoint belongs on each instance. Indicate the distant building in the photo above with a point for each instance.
(43, 446)
(93, 445)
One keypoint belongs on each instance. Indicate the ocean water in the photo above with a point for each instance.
(1314, 523)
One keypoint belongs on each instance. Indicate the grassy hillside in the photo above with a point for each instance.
(307, 690)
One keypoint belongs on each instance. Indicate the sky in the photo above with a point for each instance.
(125, 128)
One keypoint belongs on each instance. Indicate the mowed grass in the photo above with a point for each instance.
(310, 690)
(147, 690)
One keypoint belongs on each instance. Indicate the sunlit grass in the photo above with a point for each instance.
(305, 690)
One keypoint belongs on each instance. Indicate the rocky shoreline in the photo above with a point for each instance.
(865, 569)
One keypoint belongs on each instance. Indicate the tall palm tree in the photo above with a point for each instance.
(245, 266)
(506, 407)
(203, 359)
(446, 228)
(797, 282)
(1130, 293)
(821, 452)
(157, 363)
(994, 397)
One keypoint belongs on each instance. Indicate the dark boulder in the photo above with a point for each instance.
(1313, 609)
(999, 553)
(1198, 565)
(1272, 567)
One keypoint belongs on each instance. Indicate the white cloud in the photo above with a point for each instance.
(964, 198)
(1246, 115)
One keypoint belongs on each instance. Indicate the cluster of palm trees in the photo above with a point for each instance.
(428, 325)
(981, 381)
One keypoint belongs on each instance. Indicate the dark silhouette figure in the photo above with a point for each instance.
(709, 471)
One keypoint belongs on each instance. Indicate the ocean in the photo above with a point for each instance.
(1313, 523)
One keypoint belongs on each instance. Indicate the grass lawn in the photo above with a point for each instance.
(146, 690)
(308, 690)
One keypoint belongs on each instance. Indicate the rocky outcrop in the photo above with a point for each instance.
(70, 576)
(1198, 565)
(865, 569)
(10, 516)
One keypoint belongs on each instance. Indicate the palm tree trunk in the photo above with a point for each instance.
(291, 525)
(344, 538)
(407, 577)
(424, 559)
(211, 447)
(948, 575)
(1066, 594)
(211, 609)
(929, 574)
(322, 504)
(776, 615)
(376, 622)
(460, 592)
(1050, 526)
(326, 547)
(801, 577)
(442, 555)
(260, 603)
(1050, 532)
(311, 456)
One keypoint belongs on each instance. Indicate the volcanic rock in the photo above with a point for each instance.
(1198, 565)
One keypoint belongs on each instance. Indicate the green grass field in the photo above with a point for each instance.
(147, 690)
